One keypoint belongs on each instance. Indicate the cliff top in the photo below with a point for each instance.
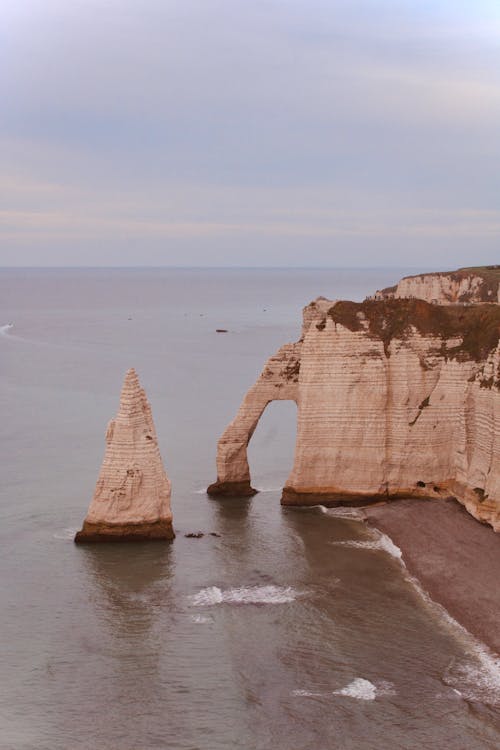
(478, 326)
(489, 274)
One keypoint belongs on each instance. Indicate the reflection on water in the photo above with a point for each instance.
(298, 641)
(131, 583)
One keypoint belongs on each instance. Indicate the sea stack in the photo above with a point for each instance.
(132, 496)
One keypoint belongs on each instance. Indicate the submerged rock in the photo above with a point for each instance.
(132, 495)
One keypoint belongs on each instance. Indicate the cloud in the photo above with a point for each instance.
(217, 122)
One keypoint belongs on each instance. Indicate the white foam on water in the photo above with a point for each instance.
(308, 694)
(245, 595)
(384, 687)
(354, 514)
(200, 619)
(477, 676)
(359, 688)
(200, 492)
(4, 330)
(269, 489)
(65, 534)
(380, 542)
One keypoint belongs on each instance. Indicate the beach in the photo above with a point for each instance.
(455, 558)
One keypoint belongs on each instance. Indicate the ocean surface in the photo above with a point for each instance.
(292, 630)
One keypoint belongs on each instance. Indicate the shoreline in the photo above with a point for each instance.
(454, 557)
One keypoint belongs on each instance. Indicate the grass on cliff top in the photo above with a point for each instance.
(477, 325)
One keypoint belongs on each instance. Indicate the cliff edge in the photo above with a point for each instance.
(395, 398)
(473, 285)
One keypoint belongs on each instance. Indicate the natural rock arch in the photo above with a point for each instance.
(278, 381)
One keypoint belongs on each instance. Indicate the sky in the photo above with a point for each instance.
(249, 132)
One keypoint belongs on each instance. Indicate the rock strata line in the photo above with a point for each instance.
(395, 399)
(132, 495)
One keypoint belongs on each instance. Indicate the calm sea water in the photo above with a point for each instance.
(293, 629)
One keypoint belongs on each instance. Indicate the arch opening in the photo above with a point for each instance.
(271, 447)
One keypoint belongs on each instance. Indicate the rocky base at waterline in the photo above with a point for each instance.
(455, 558)
(131, 500)
(395, 398)
(119, 532)
(231, 489)
(332, 498)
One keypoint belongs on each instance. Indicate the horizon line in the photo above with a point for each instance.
(215, 268)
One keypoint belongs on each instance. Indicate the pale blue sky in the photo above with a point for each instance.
(249, 132)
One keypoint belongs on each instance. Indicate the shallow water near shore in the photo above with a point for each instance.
(294, 628)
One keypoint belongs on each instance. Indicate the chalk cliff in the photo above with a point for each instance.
(474, 285)
(396, 398)
(132, 495)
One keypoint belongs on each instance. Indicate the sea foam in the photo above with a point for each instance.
(244, 595)
(354, 514)
(380, 542)
(360, 688)
(200, 619)
(4, 330)
(66, 535)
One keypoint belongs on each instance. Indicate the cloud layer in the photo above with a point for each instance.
(223, 132)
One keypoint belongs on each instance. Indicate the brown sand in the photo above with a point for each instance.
(455, 558)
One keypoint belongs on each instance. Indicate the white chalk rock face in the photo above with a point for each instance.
(395, 398)
(132, 495)
(463, 286)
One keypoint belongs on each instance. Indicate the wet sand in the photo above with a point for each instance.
(455, 558)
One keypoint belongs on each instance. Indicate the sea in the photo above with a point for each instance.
(280, 628)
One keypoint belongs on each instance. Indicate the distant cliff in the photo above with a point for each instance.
(474, 285)
(396, 398)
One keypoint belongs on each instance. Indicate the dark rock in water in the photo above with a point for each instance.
(232, 489)
(221, 330)
(194, 535)
(214, 533)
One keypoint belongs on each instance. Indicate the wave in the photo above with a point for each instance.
(200, 619)
(244, 595)
(308, 694)
(354, 514)
(381, 542)
(4, 330)
(360, 688)
(65, 534)
(475, 677)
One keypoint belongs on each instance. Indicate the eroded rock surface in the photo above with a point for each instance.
(396, 398)
(132, 495)
(475, 285)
